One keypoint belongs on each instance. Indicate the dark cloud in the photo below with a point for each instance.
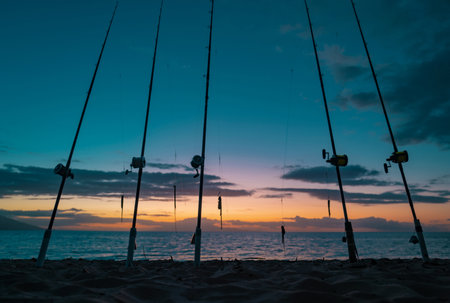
(419, 95)
(276, 196)
(36, 181)
(445, 179)
(164, 166)
(362, 100)
(363, 198)
(78, 219)
(370, 223)
(63, 213)
(355, 175)
(415, 88)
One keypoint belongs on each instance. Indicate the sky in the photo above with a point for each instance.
(266, 119)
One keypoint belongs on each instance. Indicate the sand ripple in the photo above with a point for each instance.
(226, 281)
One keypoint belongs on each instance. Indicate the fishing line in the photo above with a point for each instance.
(175, 195)
(328, 191)
(286, 136)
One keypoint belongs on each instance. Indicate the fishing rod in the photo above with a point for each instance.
(199, 161)
(336, 160)
(219, 207)
(398, 157)
(175, 206)
(139, 162)
(65, 171)
(121, 207)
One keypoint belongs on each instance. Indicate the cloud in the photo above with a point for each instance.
(419, 95)
(82, 220)
(37, 181)
(298, 30)
(343, 67)
(288, 28)
(276, 196)
(4, 148)
(363, 198)
(445, 179)
(355, 175)
(361, 100)
(164, 166)
(415, 85)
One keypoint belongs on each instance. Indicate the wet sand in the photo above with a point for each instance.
(381, 280)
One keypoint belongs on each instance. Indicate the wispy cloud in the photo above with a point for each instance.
(343, 67)
(297, 29)
(3, 148)
(363, 198)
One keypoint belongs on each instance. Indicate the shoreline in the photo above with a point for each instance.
(369, 280)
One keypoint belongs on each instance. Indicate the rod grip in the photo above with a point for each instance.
(423, 246)
(44, 246)
(198, 239)
(131, 247)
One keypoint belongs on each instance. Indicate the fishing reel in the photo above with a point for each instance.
(136, 162)
(336, 160)
(196, 162)
(60, 169)
(396, 157)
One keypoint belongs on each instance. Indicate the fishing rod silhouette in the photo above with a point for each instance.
(139, 162)
(199, 161)
(64, 170)
(397, 157)
(335, 160)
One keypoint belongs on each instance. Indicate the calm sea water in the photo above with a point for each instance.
(216, 245)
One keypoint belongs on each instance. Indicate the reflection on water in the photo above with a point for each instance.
(216, 245)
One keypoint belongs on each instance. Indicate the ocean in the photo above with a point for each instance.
(217, 245)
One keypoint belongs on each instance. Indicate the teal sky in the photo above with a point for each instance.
(265, 108)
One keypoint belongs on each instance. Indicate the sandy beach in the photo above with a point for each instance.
(369, 280)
